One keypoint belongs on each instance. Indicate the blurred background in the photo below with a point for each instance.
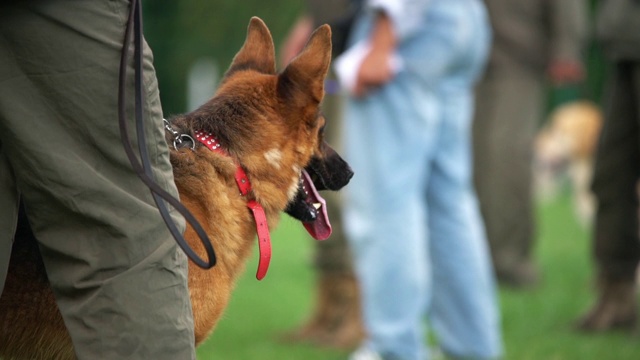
(204, 35)
(185, 34)
(193, 43)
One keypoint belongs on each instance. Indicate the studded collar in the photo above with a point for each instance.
(244, 185)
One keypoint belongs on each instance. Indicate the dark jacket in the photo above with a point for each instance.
(618, 29)
(531, 33)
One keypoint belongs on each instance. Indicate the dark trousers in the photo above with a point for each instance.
(617, 171)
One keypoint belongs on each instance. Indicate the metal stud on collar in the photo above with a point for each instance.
(209, 140)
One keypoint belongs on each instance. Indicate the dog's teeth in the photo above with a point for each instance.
(317, 205)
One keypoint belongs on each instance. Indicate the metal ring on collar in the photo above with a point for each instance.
(179, 140)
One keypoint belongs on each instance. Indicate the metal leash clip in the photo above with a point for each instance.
(179, 139)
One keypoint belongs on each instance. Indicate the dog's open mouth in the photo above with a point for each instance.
(310, 208)
(320, 227)
(329, 173)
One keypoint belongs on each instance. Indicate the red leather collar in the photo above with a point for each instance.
(262, 228)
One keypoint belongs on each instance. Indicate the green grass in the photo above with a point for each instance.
(537, 323)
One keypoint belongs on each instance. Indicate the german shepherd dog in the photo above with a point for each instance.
(269, 124)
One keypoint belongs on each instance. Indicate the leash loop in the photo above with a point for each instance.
(144, 170)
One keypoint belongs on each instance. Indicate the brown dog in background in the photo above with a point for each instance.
(565, 147)
(268, 123)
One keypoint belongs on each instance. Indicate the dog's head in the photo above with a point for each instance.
(271, 122)
(325, 171)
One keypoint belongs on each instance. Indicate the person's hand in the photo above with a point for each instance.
(563, 72)
(375, 69)
(296, 39)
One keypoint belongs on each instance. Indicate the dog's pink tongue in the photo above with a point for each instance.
(320, 228)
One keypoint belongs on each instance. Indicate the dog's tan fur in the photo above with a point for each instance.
(267, 122)
(566, 145)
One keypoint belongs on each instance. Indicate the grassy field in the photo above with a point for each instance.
(537, 323)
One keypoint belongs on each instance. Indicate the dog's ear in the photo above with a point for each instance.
(258, 51)
(308, 70)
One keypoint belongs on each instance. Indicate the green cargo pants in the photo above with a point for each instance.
(119, 279)
(509, 107)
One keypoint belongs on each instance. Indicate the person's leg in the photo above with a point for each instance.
(8, 214)
(616, 245)
(391, 139)
(119, 279)
(386, 145)
(465, 312)
(617, 248)
(509, 103)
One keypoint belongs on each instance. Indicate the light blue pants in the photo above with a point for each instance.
(411, 213)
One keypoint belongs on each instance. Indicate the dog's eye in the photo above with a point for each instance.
(321, 134)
